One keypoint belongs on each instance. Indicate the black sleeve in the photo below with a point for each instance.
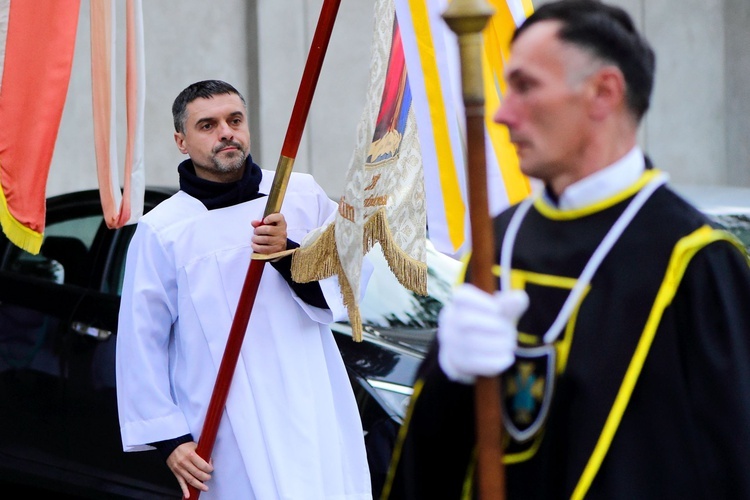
(712, 309)
(166, 447)
(309, 292)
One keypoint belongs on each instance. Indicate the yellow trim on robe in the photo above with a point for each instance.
(398, 447)
(554, 213)
(684, 251)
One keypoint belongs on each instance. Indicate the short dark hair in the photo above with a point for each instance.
(609, 34)
(199, 90)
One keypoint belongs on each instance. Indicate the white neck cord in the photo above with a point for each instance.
(596, 259)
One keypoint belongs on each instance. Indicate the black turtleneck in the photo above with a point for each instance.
(221, 194)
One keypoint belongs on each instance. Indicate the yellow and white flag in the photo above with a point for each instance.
(431, 51)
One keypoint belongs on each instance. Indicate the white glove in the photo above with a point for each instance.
(477, 332)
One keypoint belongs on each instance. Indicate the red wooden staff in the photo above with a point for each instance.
(275, 198)
(467, 18)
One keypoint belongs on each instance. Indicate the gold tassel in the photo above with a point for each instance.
(410, 272)
(320, 260)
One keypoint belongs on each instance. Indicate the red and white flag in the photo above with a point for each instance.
(37, 39)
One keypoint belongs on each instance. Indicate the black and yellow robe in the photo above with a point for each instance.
(650, 396)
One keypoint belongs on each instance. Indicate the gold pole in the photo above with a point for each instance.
(467, 18)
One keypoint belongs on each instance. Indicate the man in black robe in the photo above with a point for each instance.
(621, 330)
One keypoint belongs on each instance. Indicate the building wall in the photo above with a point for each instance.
(697, 130)
(687, 123)
(330, 133)
(182, 45)
(737, 91)
(699, 123)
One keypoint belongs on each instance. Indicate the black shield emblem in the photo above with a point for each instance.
(527, 388)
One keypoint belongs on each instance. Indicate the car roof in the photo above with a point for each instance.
(717, 200)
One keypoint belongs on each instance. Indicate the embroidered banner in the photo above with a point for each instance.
(384, 200)
(408, 169)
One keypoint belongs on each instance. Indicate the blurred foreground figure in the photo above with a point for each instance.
(622, 331)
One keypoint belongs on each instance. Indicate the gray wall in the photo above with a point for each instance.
(698, 129)
(737, 91)
(185, 42)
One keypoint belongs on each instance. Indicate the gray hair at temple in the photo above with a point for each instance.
(608, 33)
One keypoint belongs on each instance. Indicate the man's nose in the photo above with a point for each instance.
(225, 131)
(502, 114)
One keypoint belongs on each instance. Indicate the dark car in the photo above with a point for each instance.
(728, 207)
(59, 430)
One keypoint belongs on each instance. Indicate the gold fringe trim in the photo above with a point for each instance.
(410, 272)
(320, 260)
(272, 256)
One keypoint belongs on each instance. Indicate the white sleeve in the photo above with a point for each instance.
(148, 310)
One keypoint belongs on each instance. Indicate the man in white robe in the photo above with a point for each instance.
(290, 428)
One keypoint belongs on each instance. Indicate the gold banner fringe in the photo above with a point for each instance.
(320, 260)
(410, 272)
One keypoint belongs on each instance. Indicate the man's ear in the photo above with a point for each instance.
(179, 139)
(608, 92)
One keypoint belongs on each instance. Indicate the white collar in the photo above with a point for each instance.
(604, 183)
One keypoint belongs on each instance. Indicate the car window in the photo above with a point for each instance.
(728, 207)
(115, 271)
(737, 224)
(30, 336)
(63, 257)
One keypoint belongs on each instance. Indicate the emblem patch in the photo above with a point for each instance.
(527, 389)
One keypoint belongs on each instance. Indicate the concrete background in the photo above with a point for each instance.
(698, 129)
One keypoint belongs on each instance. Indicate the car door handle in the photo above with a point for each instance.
(90, 331)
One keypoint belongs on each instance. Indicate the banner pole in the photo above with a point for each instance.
(467, 18)
(275, 198)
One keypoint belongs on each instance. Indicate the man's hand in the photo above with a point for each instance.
(269, 235)
(477, 332)
(189, 468)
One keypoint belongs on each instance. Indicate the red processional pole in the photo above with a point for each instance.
(289, 149)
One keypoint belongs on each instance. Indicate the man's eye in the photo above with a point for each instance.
(206, 126)
(523, 86)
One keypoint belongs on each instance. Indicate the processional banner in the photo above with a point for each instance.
(407, 174)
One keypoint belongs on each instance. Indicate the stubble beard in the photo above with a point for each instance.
(232, 164)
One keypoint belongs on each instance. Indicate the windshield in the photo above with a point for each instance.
(737, 224)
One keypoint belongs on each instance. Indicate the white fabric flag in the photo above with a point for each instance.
(384, 200)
